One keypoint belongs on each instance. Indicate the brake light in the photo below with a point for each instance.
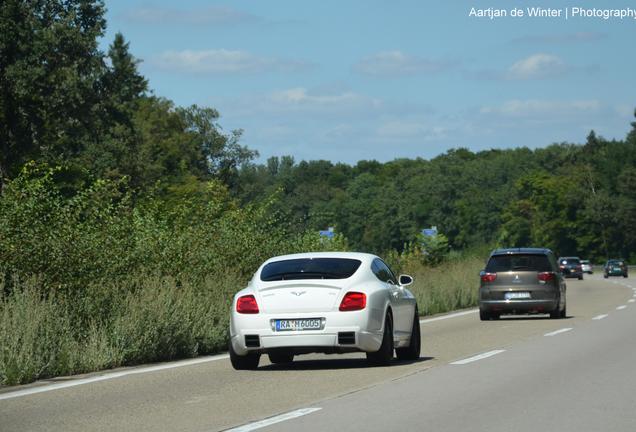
(353, 301)
(545, 276)
(247, 305)
(488, 277)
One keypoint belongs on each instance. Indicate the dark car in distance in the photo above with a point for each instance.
(571, 267)
(615, 267)
(521, 281)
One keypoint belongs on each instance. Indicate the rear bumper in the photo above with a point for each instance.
(518, 306)
(359, 331)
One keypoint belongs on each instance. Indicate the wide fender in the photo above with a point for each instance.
(379, 304)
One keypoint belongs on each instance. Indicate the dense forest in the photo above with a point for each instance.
(575, 199)
(122, 215)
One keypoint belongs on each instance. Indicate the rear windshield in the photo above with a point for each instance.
(569, 261)
(615, 262)
(310, 268)
(518, 262)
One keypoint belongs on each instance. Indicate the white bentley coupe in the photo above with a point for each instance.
(329, 302)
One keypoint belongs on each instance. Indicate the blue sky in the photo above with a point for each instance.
(351, 80)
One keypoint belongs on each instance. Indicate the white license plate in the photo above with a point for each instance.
(298, 324)
(516, 295)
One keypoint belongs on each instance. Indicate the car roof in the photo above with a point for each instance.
(347, 255)
(528, 250)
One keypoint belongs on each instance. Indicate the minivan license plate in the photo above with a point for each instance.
(298, 324)
(516, 295)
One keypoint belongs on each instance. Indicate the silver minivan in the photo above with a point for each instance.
(521, 281)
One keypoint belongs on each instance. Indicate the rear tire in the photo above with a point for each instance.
(245, 362)
(384, 355)
(558, 312)
(581, 277)
(412, 352)
(484, 316)
(605, 276)
(282, 357)
(564, 312)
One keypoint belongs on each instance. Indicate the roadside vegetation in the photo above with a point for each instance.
(127, 223)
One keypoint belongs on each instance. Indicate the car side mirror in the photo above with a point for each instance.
(405, 280)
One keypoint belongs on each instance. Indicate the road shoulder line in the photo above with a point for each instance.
(109, 376)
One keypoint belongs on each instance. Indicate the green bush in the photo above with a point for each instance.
(91, 278)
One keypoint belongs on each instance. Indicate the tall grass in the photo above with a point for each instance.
(159, 320)
(451, 285)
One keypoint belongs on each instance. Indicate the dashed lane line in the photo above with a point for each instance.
(449, 316)
(600, 317)
(477, 357)
(273, 420)
(556, 332)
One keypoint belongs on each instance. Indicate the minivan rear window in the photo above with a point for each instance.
(518, 262)
(310, 268)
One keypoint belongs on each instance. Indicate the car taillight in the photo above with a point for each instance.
(247, 305)
(579, 267)
(353, 301)
(488, 277)
(545, 276)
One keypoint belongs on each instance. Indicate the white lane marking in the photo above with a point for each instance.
(108, 376)
(621, 307)
(273, 420)
(477, 357)
(631, 301)
(600, 317)
(556, 332)
(444, 317)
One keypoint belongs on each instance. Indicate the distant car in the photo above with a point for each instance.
(521, 281)
(615, 267)
(571, 267)
(331, 302)
(586, 266)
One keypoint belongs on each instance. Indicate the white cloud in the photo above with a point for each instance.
(300, 97)
(214, 15)
(561, 38)
(222, 61)
(624, 110)
(397, 63)
(537, 66)
(543, 108)
(410, 129)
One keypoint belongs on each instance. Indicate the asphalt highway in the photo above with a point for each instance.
(521, 373)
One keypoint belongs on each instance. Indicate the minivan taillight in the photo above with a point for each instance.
(545, 276)
(488, 277)
(353, 301)
(247, 305)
